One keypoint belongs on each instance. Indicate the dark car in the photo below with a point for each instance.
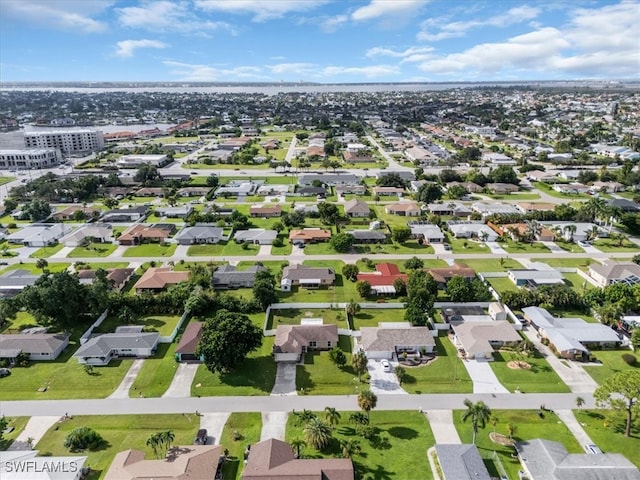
(4, 372)
(201, 437)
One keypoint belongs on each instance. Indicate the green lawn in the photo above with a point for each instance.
(461, 245)
(151, 250)
(610, 438)
(18, 424)
(319, 376)
(428, 263)
(529, 426)
(569, 247)
(581, 263)
(409, 247)
(156, 373)
(445, 375)
(107, 265)
(205, 250)
(539, 378)
(523, 247)
(491, 265)
(255, 376)
(514, 196)
(240, 431)
(63, 378)
(502, 284)
(275, 266)
(322, 248)
(609, 246)
(611, 363)
(120, 432)
(285, 249)
(4, 180)
(576, 282)
(46, 252)
(544, 187)
(163, 324)
(293, 316)
(22, 320)
(31, 267)
(370, 317)
(397, 450)
(93, 250)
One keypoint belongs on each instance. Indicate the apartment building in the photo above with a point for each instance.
(35, 158)
(67, 141)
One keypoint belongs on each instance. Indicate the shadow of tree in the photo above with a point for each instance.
(403, 432)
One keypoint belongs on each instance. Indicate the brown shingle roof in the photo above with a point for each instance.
(291, 338)
(441, 275)
(190, 338)
(159, 278)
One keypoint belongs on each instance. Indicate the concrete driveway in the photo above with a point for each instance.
(123, 389)
(383, 382)
(35, 429)
(273, 425)
(214, 423)
(484, 380)
(183, 378)
(285, 379)
(496, 248)
(441, 422)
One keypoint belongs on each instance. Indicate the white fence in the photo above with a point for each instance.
(86, 335)
(170, 338)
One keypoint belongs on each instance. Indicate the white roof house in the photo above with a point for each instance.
(39, 235)
(539, 274)
(472, 230)
(258, 236)
(431, 233)
(99, 232)
(615, 272)
(100, 349)
(487, 209)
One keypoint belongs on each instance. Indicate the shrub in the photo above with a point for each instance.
(629, 359)
(83, 438)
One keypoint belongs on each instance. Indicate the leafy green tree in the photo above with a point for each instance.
(367, 401)
(349, 446)
(504, 174)
(329, 213)
(414, 263)
(415, 315)
(83, 438)
(350, 271)
(147, 174)
(341, 242)
(352, 308)
(621, 392)
(42, 263)
(363, 288)
(212, 181)
(478, 413)
(359, 363)
(337, 357)
(359, 419)
(391, 180)
(317, 433)
(400, 286)
(401, 234)
(3, 424)
(456, 191)
(297, 444)
(36, 210)
(227, 339)
(264, 288)
(459, 290)
(401, 374)
(429, 192)
(635, 338)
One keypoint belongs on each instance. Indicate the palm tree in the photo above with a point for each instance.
(353, 308)
(350, 447)
(305, 415)
(167, 438)
(317, 433)
(154, 442)
(42, 263)
(126, 316)
(494, 421)
(484, 235)
(332, 416)
(593, 233)
(533, 230)
(297, 444)
(579, 402)
(478, 413)
(359, 419)
(359, 363)
(367, 401)
(511, 429)
(569, 230)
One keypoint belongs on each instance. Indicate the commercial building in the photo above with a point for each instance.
(67, 141)
(35, 158)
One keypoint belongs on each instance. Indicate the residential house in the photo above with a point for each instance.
(180, 211)
(315, 150)
(150, 192)
(615, 272)
(461, 462)
(70, 213)
(126, 214)
(136, 160)
(265, 211)
(367, 236)
(540, 176)
(292, 341)
(449, 208)
(519, 231)
(356, 208)
(227, 276)
(406, 175)
(39, 234)
(405, 209)
(158, 279)
(268, 190)
(140, 233)
(428, 232)
(479, 339)
(28, 465)
(311, 191)
(188, 344)
(181, 462)
(502, 188)
(194, 191)
(99, 233)
(350, 189)
(470, 187)
(37, 345)
(444, 274)
(392, 340)
(571, 337)
(237, 188)
(388, 191)
(14, 281)
(273, 458)
(201, 233)
(360, 156)
(307, 277)
(309, 235)
(531, 207)
(234, 143)
(543, 459)
(607, 187)
(419, 154)
(256, 236)
(540, 274)
(486, 209)
(117, 277)
(495, 158)
(330, 179)
(623, 205)
(100, 349)
(383, 278)
(471, 229)
(571, 188)
(577, 232)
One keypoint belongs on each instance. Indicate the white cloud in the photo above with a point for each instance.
(66, 15)
(459, 29)
(292, 68)
(383, 8)
(164, 15)
(206, 73)
(409, 52)
(261, 10)
(126, 48)
(373, 71)
(332, 24)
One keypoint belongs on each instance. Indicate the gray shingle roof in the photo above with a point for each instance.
(461, 462)
(102, 345)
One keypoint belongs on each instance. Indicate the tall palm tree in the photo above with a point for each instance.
(332, 416)
(349, 447)
(154, 442)
(353, 308)
(569, 230)
(478, 413)
(167, 438)
(579, 402)
(317, 433)
(305, 416)
(593, 233)
(297, 444)
(512, 429)
(359, 363)
(367, 401)
(533, 230)
(359, 419)
(494, 421)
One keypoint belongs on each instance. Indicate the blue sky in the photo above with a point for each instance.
(323, 41)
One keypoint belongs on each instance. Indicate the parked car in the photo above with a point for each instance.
(386, 366)
(447, 247)
(201, 437)
(4, 372)
(583, 244)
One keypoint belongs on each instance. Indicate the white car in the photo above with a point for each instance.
(583, 244)
(386, 366)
